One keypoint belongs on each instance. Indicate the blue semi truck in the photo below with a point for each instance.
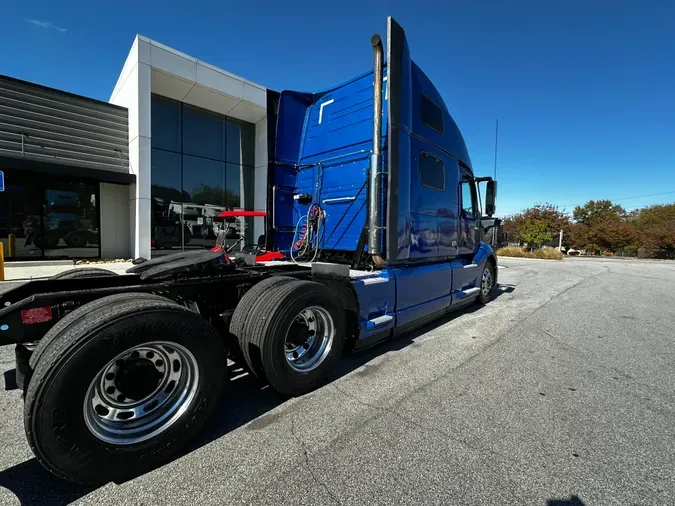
(375, 219)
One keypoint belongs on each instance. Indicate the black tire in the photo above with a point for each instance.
(241, 314)
(78, 314)
(269, 323)
(77, 239)
(85, 272)
(486, 292)
(54, 417)
(83, 311)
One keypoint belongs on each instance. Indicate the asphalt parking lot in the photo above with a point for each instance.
(559, 392)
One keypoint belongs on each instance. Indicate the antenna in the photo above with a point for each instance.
(496, 136)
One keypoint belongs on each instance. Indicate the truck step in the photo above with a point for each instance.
(379, 321)
(469, 292)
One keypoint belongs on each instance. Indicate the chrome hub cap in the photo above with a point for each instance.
(309, 339)
(487, 282)
(141, 393)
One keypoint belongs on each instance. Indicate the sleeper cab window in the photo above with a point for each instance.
(432, 115)
(432, 171)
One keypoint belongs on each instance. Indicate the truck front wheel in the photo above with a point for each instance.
(487, 283)
(298, 332)
(123, 391)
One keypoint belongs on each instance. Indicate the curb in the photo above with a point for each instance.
(528, 259)
(37, 263)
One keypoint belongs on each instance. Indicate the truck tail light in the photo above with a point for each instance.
(36, 315)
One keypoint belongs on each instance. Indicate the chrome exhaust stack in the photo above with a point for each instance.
(375, 210)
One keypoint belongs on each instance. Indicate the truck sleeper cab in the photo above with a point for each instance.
(406, 182)
(374, 210)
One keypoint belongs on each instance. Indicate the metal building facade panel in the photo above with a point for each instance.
(47, 125)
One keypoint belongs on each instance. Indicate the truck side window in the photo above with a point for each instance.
(467, 199)
(432, 171)
(432, 115)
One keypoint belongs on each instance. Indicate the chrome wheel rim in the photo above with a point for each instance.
(309, 339)
(141, 393)
(488, 282)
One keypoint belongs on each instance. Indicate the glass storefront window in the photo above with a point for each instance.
(248, 176)
(205, 190)
(48, 218)
(70, 220)
(166, 173)
(197, 172)
(167, 198)
(166, 124)
(203, 134)
(233, 143)
(233, 185)
(204, 180)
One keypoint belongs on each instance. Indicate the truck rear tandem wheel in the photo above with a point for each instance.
(241, 316)
(294, 334)
(27, 359)
(83, 312)
(118, 391)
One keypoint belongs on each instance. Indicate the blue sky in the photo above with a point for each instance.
(584, 90)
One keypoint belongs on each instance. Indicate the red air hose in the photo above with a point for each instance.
(303, 235)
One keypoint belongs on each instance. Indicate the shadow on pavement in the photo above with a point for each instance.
(10, 379)
(502, 289)
(572, 501)
(246, 399)
(33, 485)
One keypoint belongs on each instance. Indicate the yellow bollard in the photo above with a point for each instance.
(2, 262)
(11, 245)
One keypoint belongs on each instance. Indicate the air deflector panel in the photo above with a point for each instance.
(399, 120)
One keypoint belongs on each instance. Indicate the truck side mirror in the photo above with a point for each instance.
(490, 197)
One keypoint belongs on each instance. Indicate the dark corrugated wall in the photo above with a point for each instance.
(47, 125)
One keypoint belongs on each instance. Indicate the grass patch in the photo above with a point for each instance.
(546, 254)
(512, 251)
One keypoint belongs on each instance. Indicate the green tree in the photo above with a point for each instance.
(510, 227)
(656, 230)
(547, 215)
(580, 235)
(602, 225)
(615, 234)
(535, 232)
(595, 211)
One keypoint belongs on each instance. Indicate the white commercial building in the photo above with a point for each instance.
(197, 144)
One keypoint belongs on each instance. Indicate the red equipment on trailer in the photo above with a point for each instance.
(260, 252)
